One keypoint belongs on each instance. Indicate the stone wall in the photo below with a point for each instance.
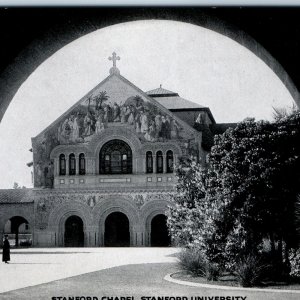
(52, 208)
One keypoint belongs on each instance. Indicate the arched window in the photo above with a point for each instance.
(62, 164)
(159, 162)
(170, 162)
(72, 164)
(115, 158)
(149, 162)
(81, 164)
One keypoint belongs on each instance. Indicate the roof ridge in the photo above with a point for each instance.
(161, 91)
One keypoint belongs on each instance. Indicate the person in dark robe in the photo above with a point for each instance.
(6, 250)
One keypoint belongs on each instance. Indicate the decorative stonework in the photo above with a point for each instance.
(159, 197)
(139, 200)
(47, 201)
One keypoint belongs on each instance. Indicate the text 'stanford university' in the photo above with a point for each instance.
(104, 170)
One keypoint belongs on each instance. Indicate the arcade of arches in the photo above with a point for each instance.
(117, 232)
(112, 227)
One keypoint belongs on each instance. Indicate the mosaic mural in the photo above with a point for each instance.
(145, 118)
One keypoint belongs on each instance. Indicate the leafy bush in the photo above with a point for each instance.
(212, 271)
(249, 270)
(294, 257)
(192, 261)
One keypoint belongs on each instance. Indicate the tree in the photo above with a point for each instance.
(248, 193)
(257, 166)
(283, 112)
(100, 99)
(191, 219)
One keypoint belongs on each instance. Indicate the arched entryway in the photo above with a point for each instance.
(74, 236)
(159, 232)
(117, 230)
(19, 232)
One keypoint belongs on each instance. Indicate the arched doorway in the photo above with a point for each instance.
(159, 232)
(74, 236)
(19, 232)
(117, 230)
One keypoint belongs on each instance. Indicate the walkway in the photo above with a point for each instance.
(98, 272)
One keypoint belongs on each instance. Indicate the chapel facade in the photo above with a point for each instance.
(104, 170)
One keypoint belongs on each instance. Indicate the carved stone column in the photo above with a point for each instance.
(138, 236)
(154, 163)
(67, 164)
(90, 236)
(56, 167)
(164, 163)
(90, 166)
(77, 164)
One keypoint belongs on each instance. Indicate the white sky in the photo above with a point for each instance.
(201, 65)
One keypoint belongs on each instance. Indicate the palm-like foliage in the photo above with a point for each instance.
(100, 99)
(282, 112)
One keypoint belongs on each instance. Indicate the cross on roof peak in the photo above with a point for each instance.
(114, 58)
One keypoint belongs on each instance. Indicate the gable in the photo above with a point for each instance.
(113, 102)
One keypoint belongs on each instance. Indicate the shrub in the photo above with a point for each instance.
(192, 261)
(294, 257)
(249, 270)
(212, 271)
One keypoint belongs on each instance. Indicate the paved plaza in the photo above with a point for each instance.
(100, 272)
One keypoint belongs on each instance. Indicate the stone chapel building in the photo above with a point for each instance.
(104, 170)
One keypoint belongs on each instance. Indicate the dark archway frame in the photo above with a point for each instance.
(16, 222)
(117, 230)
(159, 231)
(68, 231)
(73, 23)
(115, 157)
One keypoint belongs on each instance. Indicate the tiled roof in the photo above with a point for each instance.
(15, 195)
(176, 102)
(160, 91)
(171, 100)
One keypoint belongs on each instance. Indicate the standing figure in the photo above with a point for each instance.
(174, 129)
(65, 131)
(123, 114)
(70, 127)
(168, 127)
(158, 124)
(99, 123)
(105, 114)
(127, 114)
(131, 116)
(116, 113)
(87, 123)
(152, 131)
(163, 132)
(144, 122)
(138, 122)
(75, 132)
(6, 250)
